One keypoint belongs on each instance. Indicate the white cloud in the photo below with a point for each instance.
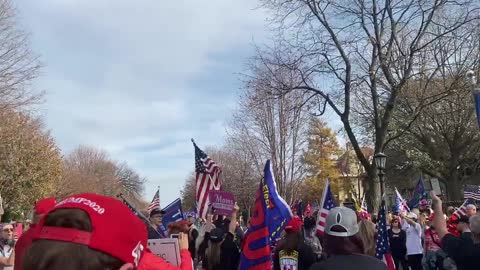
(122, 75)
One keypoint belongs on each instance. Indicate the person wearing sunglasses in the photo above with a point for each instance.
(7, 247)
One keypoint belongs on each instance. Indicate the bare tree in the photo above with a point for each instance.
(18, 64)
(238, 174)
(269, 127)
(131, 184)
(188, 193)
(346, 49)
(87, 169)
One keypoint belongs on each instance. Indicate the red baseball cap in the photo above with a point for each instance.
(294, 225)
(125, 241)
(44, 206)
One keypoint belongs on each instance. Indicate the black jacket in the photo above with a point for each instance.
(301, 258)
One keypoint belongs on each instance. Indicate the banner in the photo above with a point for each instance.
(167, 249)
(223, 202)
(173, 213)
(270, 215)
(419, 197)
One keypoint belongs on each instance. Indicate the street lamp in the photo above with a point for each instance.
(380, 161)
(472, 80)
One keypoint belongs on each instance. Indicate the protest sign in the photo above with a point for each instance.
(436, 186)
(223, 202)
(167, 249)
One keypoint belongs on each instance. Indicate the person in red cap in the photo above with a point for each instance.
(90, 231)
(292, 252)
(40, 209)
(432, 244)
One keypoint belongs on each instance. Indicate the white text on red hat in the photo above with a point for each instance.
(97, 208)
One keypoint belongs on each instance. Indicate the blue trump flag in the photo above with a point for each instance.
(419, 195)
(173, 213)
(270, 215)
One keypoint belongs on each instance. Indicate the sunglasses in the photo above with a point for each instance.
(8, 230)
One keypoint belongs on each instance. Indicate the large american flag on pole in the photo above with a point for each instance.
(382, 246)
(328, 202)
(207, 177)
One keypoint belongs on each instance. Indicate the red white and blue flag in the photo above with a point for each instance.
(207, 178)
(400, 204)
(328, 202)
(270, 215)
(364, 210)
(382, 246)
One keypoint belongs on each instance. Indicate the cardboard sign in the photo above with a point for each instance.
(223, 202)
(436, 186)
(167, 249)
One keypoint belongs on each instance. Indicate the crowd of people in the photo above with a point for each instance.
(89, 231)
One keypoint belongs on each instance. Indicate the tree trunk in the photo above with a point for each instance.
(373, 191)
(454, 187)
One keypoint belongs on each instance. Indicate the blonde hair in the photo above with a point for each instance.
(213, 254)
(367, 234)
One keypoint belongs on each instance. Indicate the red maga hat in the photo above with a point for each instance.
(125, 242)
(294, 225)
(44, 206)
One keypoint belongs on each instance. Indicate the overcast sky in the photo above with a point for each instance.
(140, 78)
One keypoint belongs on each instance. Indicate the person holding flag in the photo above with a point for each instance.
(270, 215)
(414, 240)
(155, 214)
(464, 253)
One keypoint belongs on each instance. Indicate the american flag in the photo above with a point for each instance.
(471, 192)
(328, 202)
(400, 203)
(155, 204)
(206, 179)
(364, 210)
(382, 245)
(462, 210)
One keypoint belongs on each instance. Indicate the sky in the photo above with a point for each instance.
(140, 78)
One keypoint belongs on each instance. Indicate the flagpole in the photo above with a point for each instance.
(159, 206)
(139, 214)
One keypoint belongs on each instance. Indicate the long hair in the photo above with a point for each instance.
(291, 241)
(58, 255)
(336, 245)
(367, 234)
(213, 254)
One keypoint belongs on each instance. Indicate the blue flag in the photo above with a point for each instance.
(270, 215)
(278, 211)
(173, 213)
(419, 196)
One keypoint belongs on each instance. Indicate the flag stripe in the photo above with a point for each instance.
(328, 203)
(207, 178)
(155, 204)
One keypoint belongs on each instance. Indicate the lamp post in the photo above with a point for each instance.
(472, 80)
(380, 161)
